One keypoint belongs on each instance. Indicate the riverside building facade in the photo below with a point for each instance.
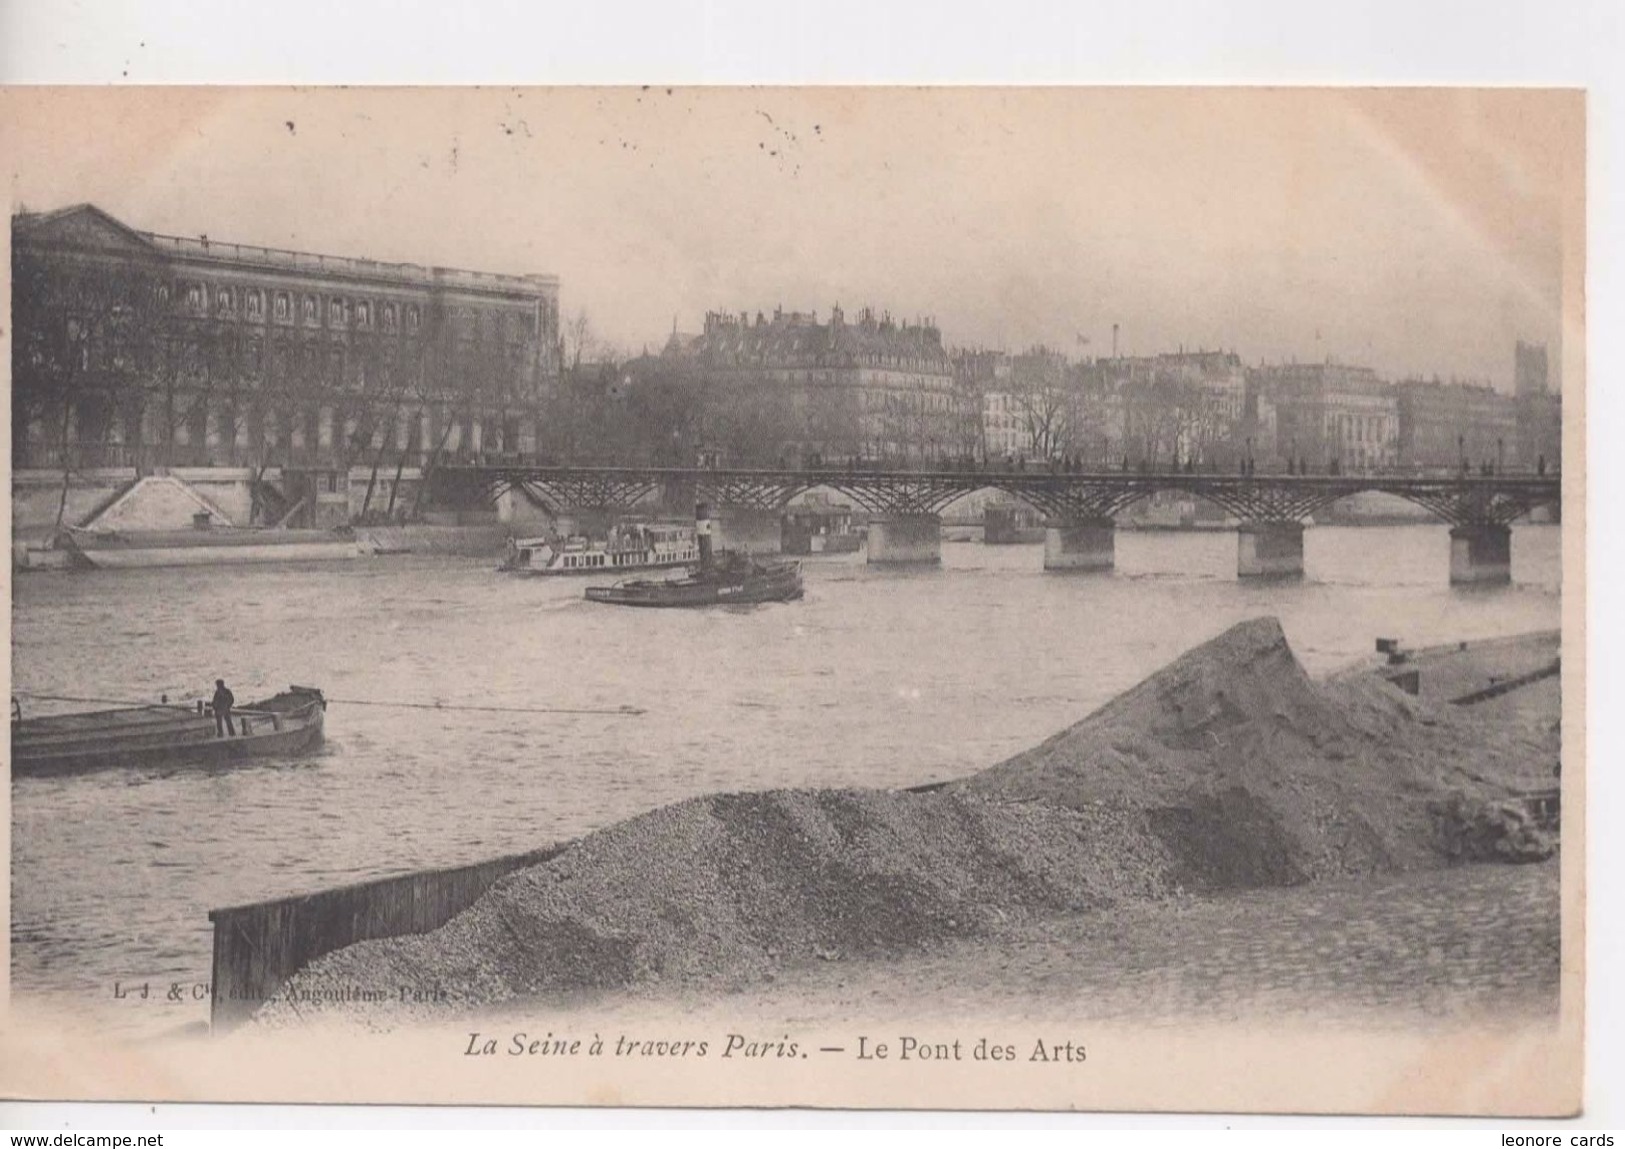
(1446, 426)
(139, 350)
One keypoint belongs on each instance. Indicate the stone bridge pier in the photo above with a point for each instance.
(1080, 544)
(1480, 555)
(1271, 549)
(905, 539)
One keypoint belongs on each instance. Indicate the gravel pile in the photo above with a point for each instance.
(1255, 775)
(1228, 768)
(723, 890)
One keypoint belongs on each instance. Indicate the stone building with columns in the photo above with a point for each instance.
(135, 350)
(1331, 415)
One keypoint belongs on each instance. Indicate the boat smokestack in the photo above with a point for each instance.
(702, 532)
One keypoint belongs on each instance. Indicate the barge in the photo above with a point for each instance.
(286, 724)
(134, 550)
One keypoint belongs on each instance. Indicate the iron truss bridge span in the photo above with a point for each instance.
(1459, 500)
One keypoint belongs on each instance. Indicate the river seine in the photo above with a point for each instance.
(877, 678)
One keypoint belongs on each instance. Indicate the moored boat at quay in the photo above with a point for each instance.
(130, 550)
(1009, 524)
(630, 546)
(286, 724)
(819, 528)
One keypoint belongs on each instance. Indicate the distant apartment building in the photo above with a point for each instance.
(1539, 408)
(1259, 431)
(985, 386)
(1445, 425)
(869, 389)
(1331, 415)
(1530, 369)
(1004, 427)
(134, 349)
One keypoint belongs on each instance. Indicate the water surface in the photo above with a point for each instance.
(877, 678)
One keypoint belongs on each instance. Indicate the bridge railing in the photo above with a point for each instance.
(500, 460)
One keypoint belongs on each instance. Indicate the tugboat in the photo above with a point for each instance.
(728, 577)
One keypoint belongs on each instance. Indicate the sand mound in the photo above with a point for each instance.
(724, 889)
(1228, 768)
(1253, 774)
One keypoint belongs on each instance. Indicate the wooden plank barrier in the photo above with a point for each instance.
(1506, 686)
(260, 946)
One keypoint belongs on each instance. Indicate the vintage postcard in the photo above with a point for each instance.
(910, 598)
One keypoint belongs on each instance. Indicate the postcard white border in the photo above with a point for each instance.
(1502, 42)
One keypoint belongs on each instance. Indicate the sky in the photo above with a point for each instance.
(1416, 231)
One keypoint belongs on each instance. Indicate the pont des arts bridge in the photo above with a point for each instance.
(1080, 508)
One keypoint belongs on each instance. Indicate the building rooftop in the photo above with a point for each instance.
(797, 336)
(203, 248)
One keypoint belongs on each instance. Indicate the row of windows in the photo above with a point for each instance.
(98, 420)
(365, 314)
(914, 401)
(874, 378)
(340, 311)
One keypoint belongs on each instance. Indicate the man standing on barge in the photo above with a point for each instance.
(224, 700)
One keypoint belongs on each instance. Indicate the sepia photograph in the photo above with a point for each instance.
(964, 598)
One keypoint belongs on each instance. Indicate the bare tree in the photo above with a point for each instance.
(75, 365)
(666, 408)
(970, 429)
(49, 367)
(1039, 388)
(414, 400)
(382, 409)
(580, 343)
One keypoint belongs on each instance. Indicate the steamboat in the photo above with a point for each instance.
(630, 546)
